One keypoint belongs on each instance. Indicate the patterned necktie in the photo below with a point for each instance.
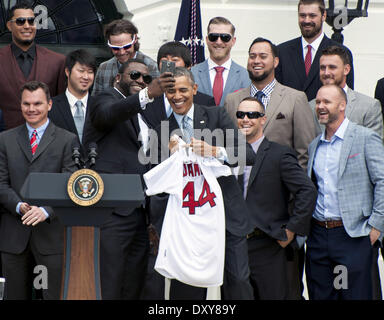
(33, 142)
(260, 95)
(218, 85)
(187, 129)
(79, 118)
(308, 59)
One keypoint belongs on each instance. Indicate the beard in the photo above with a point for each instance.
(258, 78)
(307, 34)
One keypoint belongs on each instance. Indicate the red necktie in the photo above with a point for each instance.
(33, 142)
(218, 85)
(308, 59)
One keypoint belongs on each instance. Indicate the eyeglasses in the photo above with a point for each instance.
(21, 21)
(225, 37)
(250, 115)
(125, 47)
(136, 75)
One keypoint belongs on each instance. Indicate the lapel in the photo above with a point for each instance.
(260, 155)
(346, 147)
(200, 119)
(232, 79)
(351, 97)
(24, 142)
(311, 154)
(66, 113)
(274, 103)
(205, 80)
(46, 139)
(298, 60)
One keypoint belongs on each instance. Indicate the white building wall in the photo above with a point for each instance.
(274, 19)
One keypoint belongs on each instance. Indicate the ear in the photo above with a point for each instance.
(347, 69)
(66, 70)
(50, 105)
(194, 88)
(276, 61)
(9, 26)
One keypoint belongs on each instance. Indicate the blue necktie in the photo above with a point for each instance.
(259, 95)
(187, 129)
(79, 118)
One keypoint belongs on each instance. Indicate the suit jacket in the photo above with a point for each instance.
(360, 176)
(275, 175)
(291, 70)
(238, 78)
(236, 214)
(53, 154)
(2, 124)
(361, 109)
(109, 69)
(48, 67)
(379, 93)
(289, 118)
(154, 112)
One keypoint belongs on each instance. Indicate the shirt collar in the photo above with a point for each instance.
(40, 130)
(340, 132)
(226, 64)
(72, 99)
(179, 117)
(17, 50)
(315, 44)
(267, 90)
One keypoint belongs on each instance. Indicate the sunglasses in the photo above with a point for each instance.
(136, 75)
(21, 21)
(225, 37)
(125, 47)
(250, 115)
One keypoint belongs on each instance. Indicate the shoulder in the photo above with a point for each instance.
(362, 99)
(59, 98)
(6, 50)
(288, 91)
(49, 53)
(380, 83)
(63, 134)
(107, 64)
(12, 132)
(239, 94)
(200, 66)
(289, 44)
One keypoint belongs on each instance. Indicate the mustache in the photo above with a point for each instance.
(307, 24)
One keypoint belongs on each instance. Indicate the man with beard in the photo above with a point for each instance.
(219, 75)
(115, 128)
(299, 58)
(24, 61)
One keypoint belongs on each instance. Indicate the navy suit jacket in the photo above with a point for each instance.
(379, 93)
(291, 70)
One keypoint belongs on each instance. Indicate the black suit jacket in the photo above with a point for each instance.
(53, 154)
(275, 175)
(236, 214)
(379, 93)
(291, 69)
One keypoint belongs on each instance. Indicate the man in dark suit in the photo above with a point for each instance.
(31, 235)
(236, 274)
(26, 61)
(70, 109)
(299, 58)
(266, 188)
(116, 127)
(379, 93)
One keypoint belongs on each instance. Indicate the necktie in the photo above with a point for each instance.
(308, 59)
(259, 95)
(187, 129)
(218, 85)
(26, 65)
(79, 118)
(33, 142)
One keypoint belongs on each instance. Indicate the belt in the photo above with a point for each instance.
(256, 233)
(329, 224)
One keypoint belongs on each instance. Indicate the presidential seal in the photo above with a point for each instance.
(85, 187)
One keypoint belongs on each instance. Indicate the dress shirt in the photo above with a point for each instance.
(315, 46)
(267, 90)
(72, 102)
(326, 168)
(212, 71)
(18, 54)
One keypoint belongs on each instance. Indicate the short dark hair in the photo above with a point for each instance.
(184, 72)
(254, 99)
(338, 51)
(125, 65)
(221, 20)
(175, 49)
(121, 26)
(19, 5)
(35, 85)
(274, 49)
(81, 56)
(320, 3)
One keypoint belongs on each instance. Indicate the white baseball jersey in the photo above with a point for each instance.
(192, 241)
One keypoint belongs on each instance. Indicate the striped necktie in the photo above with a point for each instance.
(79, 119)
(33, 142)
(187, 129)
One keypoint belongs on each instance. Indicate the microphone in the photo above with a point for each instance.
(92, 154)
(76, 156)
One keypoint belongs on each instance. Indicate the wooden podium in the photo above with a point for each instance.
(81, 272)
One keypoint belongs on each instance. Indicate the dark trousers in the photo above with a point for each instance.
(123, 256)
(268, 265)
(18, 272)
(327, 250)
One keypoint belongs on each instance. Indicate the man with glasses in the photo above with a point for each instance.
(122, 39)
(23, 61)
(266, 189)
(219, 75)
(113, 113)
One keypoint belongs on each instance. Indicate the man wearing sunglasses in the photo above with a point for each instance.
(219, 75)
(24, 61)
(266, 189)
(122, 39)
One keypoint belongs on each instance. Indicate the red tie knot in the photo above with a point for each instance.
(219, 69)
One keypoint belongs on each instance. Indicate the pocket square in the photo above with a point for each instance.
(280, 116)
(353, 155)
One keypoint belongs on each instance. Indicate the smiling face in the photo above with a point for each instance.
(220, 51)
(23, 36)
(251, 128)
(35, 107)
(311, 21)
(330, 105)
(122, 55)
(80, 79)
(127, 84)
(333, 70)
(180, 97)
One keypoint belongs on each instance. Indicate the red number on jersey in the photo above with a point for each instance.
(205, 196)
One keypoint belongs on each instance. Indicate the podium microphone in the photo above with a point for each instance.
(92, 154)
(76, 156)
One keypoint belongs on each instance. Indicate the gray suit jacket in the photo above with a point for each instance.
(53, 154)
(289, 118)
(360, 180)
(238, 78)
(361, 109)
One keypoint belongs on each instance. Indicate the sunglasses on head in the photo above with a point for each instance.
(125, 47)
(225, 37)
(250, 115)
(21, 21)
(136, 75)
